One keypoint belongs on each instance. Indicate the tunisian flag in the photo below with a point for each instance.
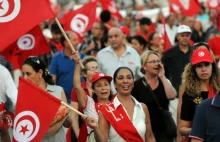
(19, 16)
(167, 43)
(111, 6)
(33, 43)
(188, 7)
(213, 4)
(80, 20)
(35, 111)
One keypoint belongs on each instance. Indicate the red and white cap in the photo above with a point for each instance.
(100, 75)
(183, 29)
(201, 55)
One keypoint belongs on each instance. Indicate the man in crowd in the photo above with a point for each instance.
(118, 54)
(62, 64)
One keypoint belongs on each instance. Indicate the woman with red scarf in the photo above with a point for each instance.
(124, 118)
(200, 81)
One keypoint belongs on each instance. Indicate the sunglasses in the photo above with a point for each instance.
(199, 44)
(34, 59)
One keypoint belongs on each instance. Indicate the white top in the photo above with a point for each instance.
(109, 62)
(7, 87)
(139, 118)
(90, 110)
(171, 32)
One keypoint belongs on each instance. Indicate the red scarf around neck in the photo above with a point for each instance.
(121, 123)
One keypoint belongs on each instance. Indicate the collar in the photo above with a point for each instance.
(189, 51)
(110, 49)
(117, 103)
(50, 88)
(216, 100)
(63, 54)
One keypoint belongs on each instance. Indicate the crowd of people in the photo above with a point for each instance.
(123, 80)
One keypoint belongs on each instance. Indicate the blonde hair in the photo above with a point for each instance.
(88, 59)
(146, 54)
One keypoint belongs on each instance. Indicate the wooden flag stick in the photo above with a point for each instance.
(71, 108)
(68, 40)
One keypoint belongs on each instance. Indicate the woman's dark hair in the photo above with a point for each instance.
(104, 40)
(95, 97)
(36, 63)
(141, 40)
(120, 68)
(151, 36)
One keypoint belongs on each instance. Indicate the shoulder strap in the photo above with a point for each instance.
(146, 84)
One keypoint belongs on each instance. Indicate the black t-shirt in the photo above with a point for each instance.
(143, 94)
(189, 105)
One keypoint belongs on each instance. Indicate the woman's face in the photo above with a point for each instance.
(156, 40)
(91, 69)
(204, 70)
(137, 46)
(152, 65)
(102, 89)
(30, 74)
(124, 82)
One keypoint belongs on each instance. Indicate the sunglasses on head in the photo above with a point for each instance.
(199, 44)
(34, 59)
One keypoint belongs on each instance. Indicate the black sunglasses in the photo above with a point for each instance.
(34, 59)
(198, 44)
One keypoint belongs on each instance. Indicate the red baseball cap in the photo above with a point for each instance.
(125, 30)
(100, 75)
(201, 55)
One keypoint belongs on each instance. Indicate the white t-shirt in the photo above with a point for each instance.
(7, 87)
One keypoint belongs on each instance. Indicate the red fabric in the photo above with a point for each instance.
(121, 123)
(214, 45)
(152, 28)
(112, 7)
(20, 17)
(218, 22)
(33, 43)
(58, 45)
(188, 7)
(33, 116)
(83, 129)
(167, 43)
(68, 135)
(80, 20)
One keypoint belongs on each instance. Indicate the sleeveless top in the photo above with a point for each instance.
(60, 135)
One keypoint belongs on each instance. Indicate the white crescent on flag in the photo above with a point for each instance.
(26, 42)
(79, 23)
(5, 6)
(26, 126)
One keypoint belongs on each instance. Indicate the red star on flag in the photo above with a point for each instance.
(24, 129)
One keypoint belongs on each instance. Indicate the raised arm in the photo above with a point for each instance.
(81, 94)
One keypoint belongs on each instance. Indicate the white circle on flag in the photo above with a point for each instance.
(201, 54)
(26, 126)
(26, 42)
(5, 7)
(213, 3)
(79, 23)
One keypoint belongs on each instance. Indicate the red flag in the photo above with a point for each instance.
(32, 43)
(80, 20)
(213, 4)
(111, 6)
(164, 36)
(19, 16)
(33, 114)
(188, 7)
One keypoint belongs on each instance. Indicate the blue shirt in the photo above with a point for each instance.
(63, 68)
(206, 124)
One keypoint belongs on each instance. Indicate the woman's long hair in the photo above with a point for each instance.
(191, 82)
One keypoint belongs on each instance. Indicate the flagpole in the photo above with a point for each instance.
(71, 108)
(66, 37)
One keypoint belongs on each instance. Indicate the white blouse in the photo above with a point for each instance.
(139, 118)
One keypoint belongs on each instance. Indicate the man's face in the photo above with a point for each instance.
(144, 28)
(56, 37)
(115, 38)
(184, 38)
(73, 39)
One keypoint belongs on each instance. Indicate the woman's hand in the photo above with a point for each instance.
(161, 71)
(62, 112)
(76, 57)
(91, 122)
